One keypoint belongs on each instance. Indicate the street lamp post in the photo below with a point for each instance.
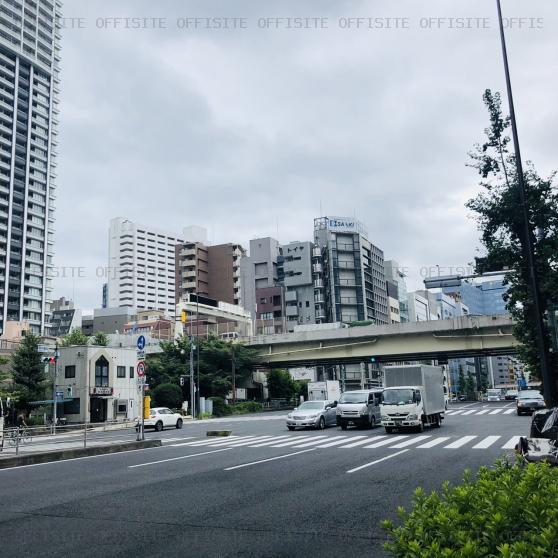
(54, 398)
(549, 385)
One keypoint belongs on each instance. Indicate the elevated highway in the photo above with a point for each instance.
(462, 337)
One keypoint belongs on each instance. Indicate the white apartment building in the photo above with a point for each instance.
(29, 88)
(141, 266)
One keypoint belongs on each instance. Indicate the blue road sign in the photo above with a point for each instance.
(141, 343)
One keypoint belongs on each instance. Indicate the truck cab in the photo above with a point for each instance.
(360, 408)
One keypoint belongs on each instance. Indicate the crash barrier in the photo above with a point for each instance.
(31, 439)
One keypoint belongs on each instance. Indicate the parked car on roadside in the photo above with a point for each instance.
(462, 397)
(313, 414)
(529, 400)
(159, 417)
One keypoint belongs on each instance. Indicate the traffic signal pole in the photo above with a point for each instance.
(549, 384)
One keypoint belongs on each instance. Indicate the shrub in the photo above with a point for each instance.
(220, 408)
(247, 407)
(167, 395)
(509, 511)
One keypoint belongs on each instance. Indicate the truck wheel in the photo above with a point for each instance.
(420, 427)
(372, 422)
(437, 422)
(389, 429)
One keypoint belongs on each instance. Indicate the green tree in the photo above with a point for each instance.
(167, 395)
(100, 339)
(280, 385)
(75, 337)
(499, 215)
(215, 364)
(28, 372)
(461, 380)
(6, 388)
(469, 387)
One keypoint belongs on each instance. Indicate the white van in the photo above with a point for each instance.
(360, 408)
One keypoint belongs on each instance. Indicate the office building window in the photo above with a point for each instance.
(131, 371)
(70, 371)
(120, 371)
(72, 407)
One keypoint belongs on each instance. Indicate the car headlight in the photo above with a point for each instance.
(314, 416)
(290, 415)
(520, 404)
(412, 417)
(385, 417)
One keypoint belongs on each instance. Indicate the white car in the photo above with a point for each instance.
(159, 417)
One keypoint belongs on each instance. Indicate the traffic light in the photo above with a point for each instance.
(182, 380)
(183, 316)
(372, 359)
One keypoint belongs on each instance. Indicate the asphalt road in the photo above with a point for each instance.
(266, 492)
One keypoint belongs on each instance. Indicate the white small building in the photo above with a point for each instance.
(99, 384)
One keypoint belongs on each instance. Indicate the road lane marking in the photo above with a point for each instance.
(487, 442)
(460, 442)
(510, 444)
(207, 441)
(458, 412)
(176, 458)
(410, 442)
(469, 412)
(341, 440)
(495, 412)
(297, 441)
(268, 442)
(483, 412)
(385, 442)
(361, 442)
(377, 461)
(434, 442)
(247, 442)
(266, 460)
(508, 411)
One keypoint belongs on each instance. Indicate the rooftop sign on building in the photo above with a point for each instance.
(341, 224)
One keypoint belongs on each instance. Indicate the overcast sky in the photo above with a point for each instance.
(255, 131)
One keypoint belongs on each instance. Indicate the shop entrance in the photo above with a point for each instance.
(98, 409)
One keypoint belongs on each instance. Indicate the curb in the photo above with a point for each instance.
(62, 455)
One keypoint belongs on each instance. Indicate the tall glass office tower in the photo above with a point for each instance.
(29, 80)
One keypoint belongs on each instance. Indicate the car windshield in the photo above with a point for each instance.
(311, 405)
(529, 394)
(353, 397)
(493, 392)
(398, 396)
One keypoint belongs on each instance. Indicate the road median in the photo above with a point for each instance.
(73, 453)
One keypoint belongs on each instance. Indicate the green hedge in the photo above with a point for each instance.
(508, 511)
(247, 407)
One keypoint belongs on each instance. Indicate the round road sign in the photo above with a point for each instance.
(140, 368)
(141, 343)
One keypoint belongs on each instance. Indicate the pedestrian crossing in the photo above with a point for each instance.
(398, 441)
(477, 412)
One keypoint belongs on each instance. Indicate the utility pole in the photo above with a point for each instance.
(550, 389)
(54, 398)
(233, 371)
(192, 378)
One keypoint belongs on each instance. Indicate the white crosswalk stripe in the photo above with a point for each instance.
(274, 441)
(410, 442)
(390, 440)
(342, 440)
(461, 442)
(361, 442)
(291, 442)
(510, 444)
(508, 411)
(469, 412)
(457, 412)
(207, 441)
(434, 442)
(487, 442)
(495, 412)
(248, 442)
(483, 412)
(312, 443)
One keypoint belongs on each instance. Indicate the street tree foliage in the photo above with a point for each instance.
(28, 372)
(167, 395)
(6, 388)
(75, 337)
(215, 364)
(280, 385)
(100, 339)
(498, 212)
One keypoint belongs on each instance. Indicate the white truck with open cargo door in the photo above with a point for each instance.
(413, 397)
(328, 390)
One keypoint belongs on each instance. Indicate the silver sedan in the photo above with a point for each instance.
(313, 414)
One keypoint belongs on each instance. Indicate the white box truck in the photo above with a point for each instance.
(413, 397)
(324, 391)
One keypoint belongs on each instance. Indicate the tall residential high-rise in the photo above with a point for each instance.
(211, 271)
(295, 275)
(29, 89)
(349, 276)
(142, 263)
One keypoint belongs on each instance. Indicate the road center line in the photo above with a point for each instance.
(176, 458)
(377, 461)
(266, 460)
